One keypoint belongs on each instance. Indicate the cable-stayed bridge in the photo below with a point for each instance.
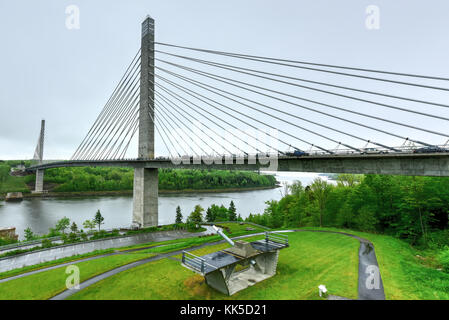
(206, 109)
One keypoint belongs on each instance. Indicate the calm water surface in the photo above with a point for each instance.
(41, 214)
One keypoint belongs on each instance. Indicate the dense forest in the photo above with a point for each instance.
(412, 208)
(110, 179)
(121, 179)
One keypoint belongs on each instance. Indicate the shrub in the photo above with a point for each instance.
(46, 243)
(444, 259)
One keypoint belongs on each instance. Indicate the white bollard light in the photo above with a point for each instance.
(323, 290)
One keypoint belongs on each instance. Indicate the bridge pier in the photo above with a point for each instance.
(146, 192)
(39, 186)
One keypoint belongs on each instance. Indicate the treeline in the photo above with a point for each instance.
(118, 179)
(214, 213)
(411, 208)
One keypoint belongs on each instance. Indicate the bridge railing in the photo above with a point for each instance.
(197, 263)
(276, 237)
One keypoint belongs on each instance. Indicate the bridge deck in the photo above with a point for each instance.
(400, 163)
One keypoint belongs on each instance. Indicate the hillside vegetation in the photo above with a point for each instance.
(83, 179)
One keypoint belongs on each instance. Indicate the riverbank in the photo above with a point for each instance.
(130, 192)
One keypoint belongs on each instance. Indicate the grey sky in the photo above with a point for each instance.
(66, 76)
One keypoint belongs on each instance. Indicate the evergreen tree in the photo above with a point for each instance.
(196, 216)
(178, 215)
(74, 227)
(29, 235)
(232, 212)
(209, 215)
(98, 219)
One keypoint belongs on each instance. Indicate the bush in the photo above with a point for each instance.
(444, 259)
(439, 238)
(46, 243)
(73, 237)
(4, 242)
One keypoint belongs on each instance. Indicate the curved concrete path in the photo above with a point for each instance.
(367, 259)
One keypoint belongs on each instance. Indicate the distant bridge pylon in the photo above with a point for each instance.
(38, 157)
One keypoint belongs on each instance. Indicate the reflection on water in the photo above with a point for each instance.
(41, 214)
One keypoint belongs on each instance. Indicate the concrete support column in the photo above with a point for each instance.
(146, 191)
(145, 201)
(39, 187)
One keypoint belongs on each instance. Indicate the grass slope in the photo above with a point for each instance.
(407, 274)
(46, 284)
(312, 259)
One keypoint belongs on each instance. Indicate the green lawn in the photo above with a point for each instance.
(406, 276)
(47, 284)
(312, 259)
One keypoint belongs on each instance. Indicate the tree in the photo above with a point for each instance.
(178, 215)
(232, 212)
(320, 190)
(296, 188)
(63, 224)
(74, 227)
(89, 224)
(98, 220)
(29, 235)
(349, 180)
(209, 215)
(285, 190)
(196, 216)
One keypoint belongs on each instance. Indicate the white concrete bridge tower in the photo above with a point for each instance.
(145, 199)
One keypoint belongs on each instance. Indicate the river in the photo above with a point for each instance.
(41, 214)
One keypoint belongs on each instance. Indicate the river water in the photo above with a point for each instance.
(41, 214)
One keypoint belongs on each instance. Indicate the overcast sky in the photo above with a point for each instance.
(66, 76)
